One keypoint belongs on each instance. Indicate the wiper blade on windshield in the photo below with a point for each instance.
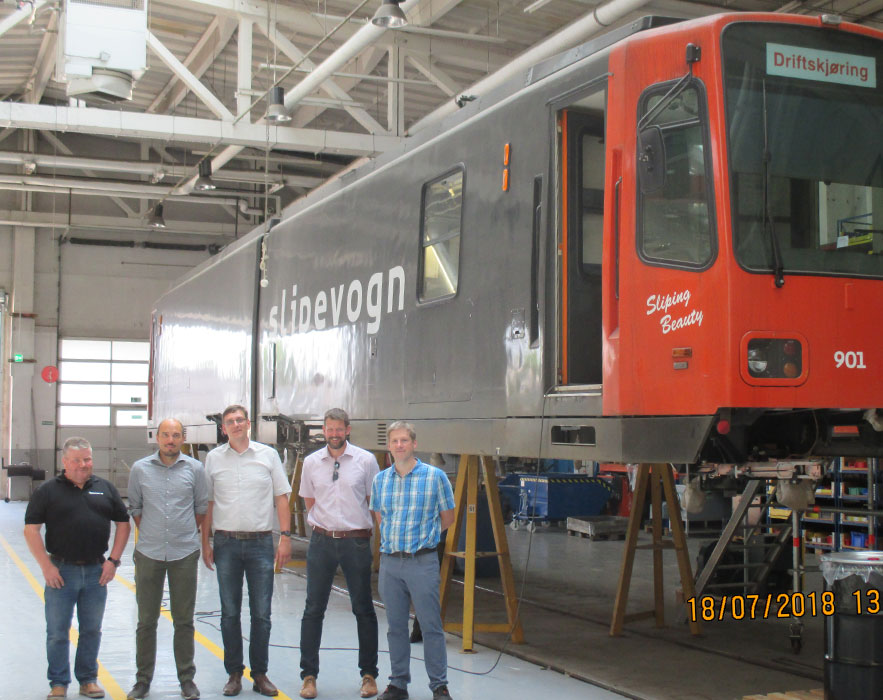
(768, 224)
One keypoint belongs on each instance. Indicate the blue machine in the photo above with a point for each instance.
(547, 497)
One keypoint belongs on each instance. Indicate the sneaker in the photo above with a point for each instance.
(308, 690)
(369, 686)
(393, 692)
(189, 691)
(441, 693)
(139, 690)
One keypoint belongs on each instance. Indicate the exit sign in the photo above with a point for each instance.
(18, 357)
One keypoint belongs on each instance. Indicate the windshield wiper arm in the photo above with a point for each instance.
(768, 224)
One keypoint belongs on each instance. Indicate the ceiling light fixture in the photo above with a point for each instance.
(389, 15)
(155, 219)
(204, 181)
(276, 108)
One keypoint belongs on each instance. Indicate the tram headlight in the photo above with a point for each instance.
(757, 362)
(775, 358)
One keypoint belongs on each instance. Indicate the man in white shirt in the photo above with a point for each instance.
(246, 484)
(336, 485)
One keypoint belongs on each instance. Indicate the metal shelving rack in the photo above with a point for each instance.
(853, 489)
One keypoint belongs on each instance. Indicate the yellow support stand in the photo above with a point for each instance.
(466, 499)
(296, 504)
(659, 480)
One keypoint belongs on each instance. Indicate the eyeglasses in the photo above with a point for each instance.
(336, 471)
(236, 421)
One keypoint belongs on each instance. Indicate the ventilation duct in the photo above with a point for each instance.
(103, 48)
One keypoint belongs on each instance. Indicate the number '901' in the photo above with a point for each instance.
(850, 359)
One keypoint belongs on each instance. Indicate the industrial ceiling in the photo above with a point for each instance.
(98, 154)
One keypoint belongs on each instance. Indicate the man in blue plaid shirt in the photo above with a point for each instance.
(412, 503)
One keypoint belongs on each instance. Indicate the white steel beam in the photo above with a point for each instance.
(45, 63)
(258, 11)
(243, 66)
(88, 120)
(20, 15)
(150, 169)
(574, 33)
(442, 80)
(63, 220)
(210, 45)
(329, 86)
(59, 145)
(201, 91)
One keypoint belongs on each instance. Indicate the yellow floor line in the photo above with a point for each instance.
(110, 685)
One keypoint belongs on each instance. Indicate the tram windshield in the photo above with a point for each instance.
(805, 135)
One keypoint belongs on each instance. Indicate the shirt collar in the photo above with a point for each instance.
(63, 479)
(346, 451)
(156, 460)
(227, 447)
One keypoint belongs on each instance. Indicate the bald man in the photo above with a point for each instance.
(168, 498)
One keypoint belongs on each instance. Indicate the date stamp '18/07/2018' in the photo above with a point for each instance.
(782, 605)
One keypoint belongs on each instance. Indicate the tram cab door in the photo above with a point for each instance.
(581, 201)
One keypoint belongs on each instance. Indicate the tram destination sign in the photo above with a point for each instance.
(827, 66)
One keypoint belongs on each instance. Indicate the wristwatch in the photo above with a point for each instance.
(115, 562)
(285, 533)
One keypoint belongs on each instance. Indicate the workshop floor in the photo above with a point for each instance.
(567, 595)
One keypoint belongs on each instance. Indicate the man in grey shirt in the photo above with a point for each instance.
(168, 498)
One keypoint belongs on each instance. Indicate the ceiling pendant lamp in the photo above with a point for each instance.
(389, 15)
(276, 108)
(204, 181)
(155, 220)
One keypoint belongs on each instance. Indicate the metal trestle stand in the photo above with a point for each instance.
(466, 500)
(659, 480)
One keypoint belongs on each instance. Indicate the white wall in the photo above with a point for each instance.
(105, 292)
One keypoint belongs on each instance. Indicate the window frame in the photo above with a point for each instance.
(421, 282)
(111, 406)
(703, 123)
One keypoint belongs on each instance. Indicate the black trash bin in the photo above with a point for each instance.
(854, 632)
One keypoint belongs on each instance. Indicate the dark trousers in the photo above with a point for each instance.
(353, 555)
(150, 576)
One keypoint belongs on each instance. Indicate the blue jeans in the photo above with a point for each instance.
(255, 560)
(354, 556)
(416, 580)
(80, 589)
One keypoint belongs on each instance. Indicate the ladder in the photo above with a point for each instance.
(751, 549)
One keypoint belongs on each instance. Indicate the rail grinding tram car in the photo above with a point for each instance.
(663, 245)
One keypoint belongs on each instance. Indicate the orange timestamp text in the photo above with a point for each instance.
(782, 605)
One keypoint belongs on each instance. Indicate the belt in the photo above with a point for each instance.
(77, 562)
(240, 535)
(339, 534)
(410, 555)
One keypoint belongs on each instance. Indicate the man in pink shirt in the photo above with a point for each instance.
(336, 486)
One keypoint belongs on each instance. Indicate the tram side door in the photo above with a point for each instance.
(581, 199)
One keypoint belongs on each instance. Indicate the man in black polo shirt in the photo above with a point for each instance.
(77, 509)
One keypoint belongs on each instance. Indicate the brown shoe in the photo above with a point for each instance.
(263, 685)
(57, 692)
(308, 690)
(369, 686)
(233, 686)
(91, 690)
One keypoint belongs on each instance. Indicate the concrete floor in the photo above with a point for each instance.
(567, 599)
